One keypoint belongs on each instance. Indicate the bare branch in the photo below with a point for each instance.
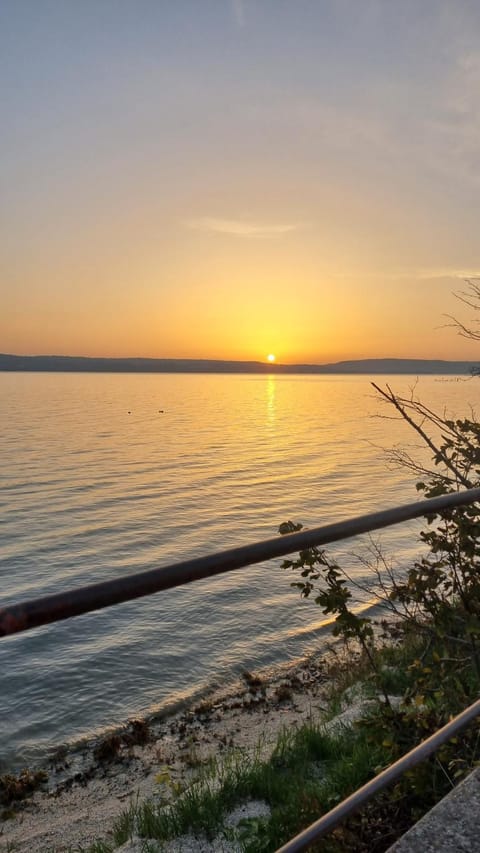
(471, 298)
(402, 407)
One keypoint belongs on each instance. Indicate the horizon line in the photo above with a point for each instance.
(393, 365)
(264, 362)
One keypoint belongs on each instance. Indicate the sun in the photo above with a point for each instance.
(271, 357)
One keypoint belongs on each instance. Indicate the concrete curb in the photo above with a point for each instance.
(452, 826)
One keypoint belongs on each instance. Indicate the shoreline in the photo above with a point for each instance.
(223, 685)
(90, 785)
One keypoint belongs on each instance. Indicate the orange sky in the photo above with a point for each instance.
(230, 180)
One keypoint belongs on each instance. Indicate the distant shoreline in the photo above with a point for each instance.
(84, 364)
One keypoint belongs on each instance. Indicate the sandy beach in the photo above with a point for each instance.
(88, 788)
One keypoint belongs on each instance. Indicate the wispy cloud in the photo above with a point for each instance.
(238, 11)
(446, 272)
(409, 273)
(240, 227)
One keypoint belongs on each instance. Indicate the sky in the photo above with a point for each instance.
(233, 178)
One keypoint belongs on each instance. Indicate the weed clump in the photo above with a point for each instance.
(16, 788)
(139, 733)
(108, 749)
(283, 693)
(254, 682)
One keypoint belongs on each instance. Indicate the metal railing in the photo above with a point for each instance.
(355, 801)
(64, 605)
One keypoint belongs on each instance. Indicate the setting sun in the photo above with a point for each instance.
(271, 357)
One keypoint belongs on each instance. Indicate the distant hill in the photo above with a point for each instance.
(81, 364)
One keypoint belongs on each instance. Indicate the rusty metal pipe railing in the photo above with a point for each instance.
(355, 801)
(64, 605)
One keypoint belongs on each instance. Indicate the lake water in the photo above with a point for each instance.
(105, 474)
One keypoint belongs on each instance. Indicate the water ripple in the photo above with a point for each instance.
(89, 491)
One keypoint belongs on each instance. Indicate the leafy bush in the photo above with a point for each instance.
(436, 630)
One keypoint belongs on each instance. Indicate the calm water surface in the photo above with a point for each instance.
(104, 474)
